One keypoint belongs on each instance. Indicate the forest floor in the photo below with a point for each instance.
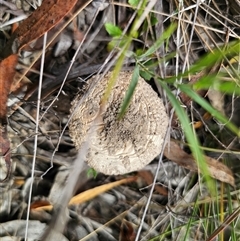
(194, 69)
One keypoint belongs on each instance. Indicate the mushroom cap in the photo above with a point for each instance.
(119, 146)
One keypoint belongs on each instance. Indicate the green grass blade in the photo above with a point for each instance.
(190, 222)
(166, 34)
(215, 82)
(187, 89)
(190, 135)
(214, 58)
(129, 93)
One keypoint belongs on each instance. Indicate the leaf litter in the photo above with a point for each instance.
(122, 206)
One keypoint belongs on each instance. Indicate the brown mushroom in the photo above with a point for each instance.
(125, 145)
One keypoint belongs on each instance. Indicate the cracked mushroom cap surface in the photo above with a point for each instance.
(118, 146)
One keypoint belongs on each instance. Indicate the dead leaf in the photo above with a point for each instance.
(92, 193)
(7, 72)
(5, 150)
(40, 21)
(148, 177)
(127, 232)
(199, 124)
(216, 99)
(216, 169)
(39, 203)
(24, 85)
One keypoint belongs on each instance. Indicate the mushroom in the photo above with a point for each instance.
(118, 146)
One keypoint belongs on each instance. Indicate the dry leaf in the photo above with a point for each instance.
(7, 72)
(127, 232)
(216, 99)
(40, 21)
(18, 86)
(5, 152)
(92, 193)
(39, 203)
(148, 177)
(216, 169)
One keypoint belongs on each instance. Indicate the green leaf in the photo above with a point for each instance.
(228, 87)
(145, 75)
(133, 3)
(205, 82)
(214, 58)
(91, 173)
(139, 52)
(154, 20)
(116, 42)
(215, 82)
(129, 93)
(113, 30)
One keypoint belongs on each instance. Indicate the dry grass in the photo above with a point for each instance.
(178, 206)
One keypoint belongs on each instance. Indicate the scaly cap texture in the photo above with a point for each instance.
(125, 145)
